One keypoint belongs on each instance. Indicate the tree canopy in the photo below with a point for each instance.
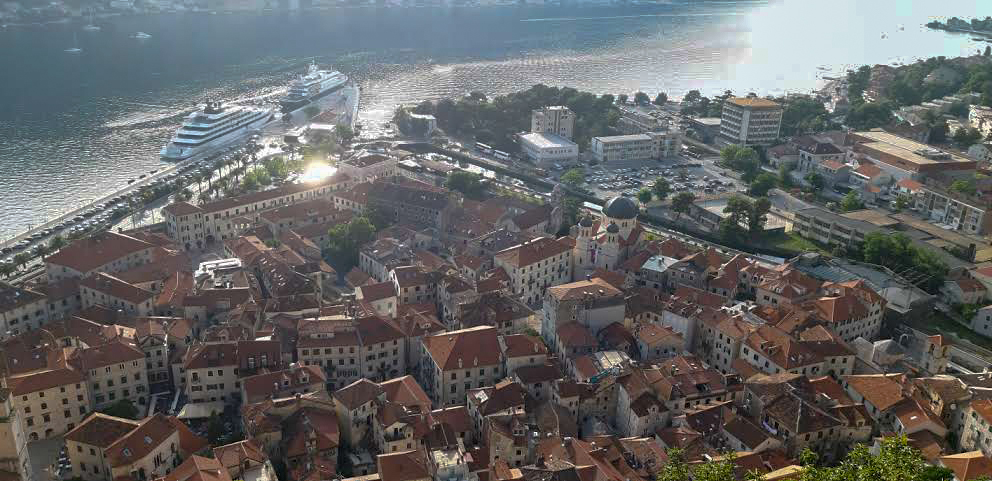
(467, 183)
(763, 183)
(804, 115)
(573, 177)
(345, 240)
(741, 159)
(122, 409)
(497, 121)
(897, 252)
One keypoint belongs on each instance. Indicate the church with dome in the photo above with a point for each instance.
(607, 242)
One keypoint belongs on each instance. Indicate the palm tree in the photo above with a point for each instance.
(42, 250)
(22, 259)
(7, 269)
(57, 243)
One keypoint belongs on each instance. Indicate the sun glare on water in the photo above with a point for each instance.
(317, 172)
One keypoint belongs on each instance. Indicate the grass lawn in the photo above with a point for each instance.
(793, 242)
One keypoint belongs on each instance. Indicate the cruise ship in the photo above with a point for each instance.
(312, 86)
(214, 125)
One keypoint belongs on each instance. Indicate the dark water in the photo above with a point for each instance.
(74, 126)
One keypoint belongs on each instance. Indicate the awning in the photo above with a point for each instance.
(201, 410)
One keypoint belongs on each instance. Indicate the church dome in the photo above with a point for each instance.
(620, 208)
(613, 228)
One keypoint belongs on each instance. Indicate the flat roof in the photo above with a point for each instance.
(905, 149)
(707, 121)
(753, 102)
(546, 141)
(936, 231)
(623, 138)
(873, 216)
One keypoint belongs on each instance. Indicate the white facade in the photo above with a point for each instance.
(547, 149)
(622, 147)
(558, 120)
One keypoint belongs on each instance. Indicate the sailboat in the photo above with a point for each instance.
(141, 36)
(91, 27)
(75, 45)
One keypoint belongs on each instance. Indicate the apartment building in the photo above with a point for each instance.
(955, 211)
(114, 371)
(106, 251)
(977, 431)
(534, 266)
(829, 228)
(557, 120)
(453, 363)
(21, 310)
(105, 448)
(49, 402)
(367, 166)
(151, 338)
(351, 348)
(184, 223)
(749, 121)
(621, 148)
(594, 304)
(224, 218)
(410, 201)
(14, 456)
(101, 289)
(852, 309)
(283, 383)
(213, 372)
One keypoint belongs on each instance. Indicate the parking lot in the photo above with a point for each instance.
(684, 174)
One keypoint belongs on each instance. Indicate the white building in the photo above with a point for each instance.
(750, 121)
(980, 117)
(651, 145)
(547, 149)
(558, 120)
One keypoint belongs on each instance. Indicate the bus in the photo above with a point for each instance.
(483, 148)
(501, 155)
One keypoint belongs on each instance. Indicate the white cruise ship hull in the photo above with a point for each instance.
(178, 151)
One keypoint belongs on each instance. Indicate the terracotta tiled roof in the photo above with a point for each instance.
(533, 251)
(377, 292)
(881, 390)
(968, 466)
(403, 466)
(107, 354)
(101, 430)
(196, 468)
(115, 287)
(405, 391)
(357, 393)
(522, 345)
(87, 254)
(235, 454)
(139, 442)
(43, 380)
(596, 288)
(477, 346)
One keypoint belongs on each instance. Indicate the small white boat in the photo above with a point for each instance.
(91, 27)
(75, 46)
(141, 36)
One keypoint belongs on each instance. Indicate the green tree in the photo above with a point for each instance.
(344, 242)
(988, 51)
(763, 183)
(641, 98)
(866, 116)
(661, 99)
(56, 243)
(805, 115)
(622, 99)
(966, 137)
(7, 269)
(682, 202)
(902, 201)
(741, 159)
(692, 97)
(22, 259)
(738, 209)
(122, 409)
(644, 195)
(344, 133)
(574, 177)
(962, 186)
(468, 183)
(677, 467)
(215, 430)
(661, 188)
(785, 174)
(758, 215)
(850, 202)
(815, 180)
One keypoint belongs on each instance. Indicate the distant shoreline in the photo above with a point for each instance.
(935, 25)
